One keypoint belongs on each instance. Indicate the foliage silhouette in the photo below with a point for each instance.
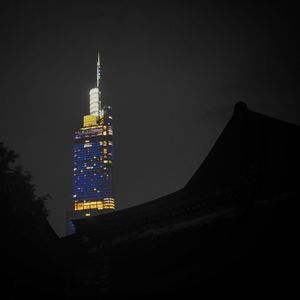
(17, 192)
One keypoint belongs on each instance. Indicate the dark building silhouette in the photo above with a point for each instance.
(230, 231)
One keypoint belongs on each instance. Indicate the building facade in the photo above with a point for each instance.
(93, 153)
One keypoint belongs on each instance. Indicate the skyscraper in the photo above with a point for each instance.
(93, 160)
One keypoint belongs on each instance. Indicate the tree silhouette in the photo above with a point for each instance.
(17, 192)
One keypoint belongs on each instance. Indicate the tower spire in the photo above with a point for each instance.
(98, 70)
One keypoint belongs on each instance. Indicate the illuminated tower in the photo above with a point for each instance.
(93, 161)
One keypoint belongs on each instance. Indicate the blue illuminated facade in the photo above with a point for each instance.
(92, 165)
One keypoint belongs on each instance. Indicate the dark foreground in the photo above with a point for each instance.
(229, 233)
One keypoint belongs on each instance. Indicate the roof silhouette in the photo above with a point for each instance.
(255, 154)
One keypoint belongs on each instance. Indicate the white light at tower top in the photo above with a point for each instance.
(95, 102)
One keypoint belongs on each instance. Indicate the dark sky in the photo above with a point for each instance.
(171, 71)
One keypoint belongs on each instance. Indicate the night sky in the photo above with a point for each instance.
(171, 71)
